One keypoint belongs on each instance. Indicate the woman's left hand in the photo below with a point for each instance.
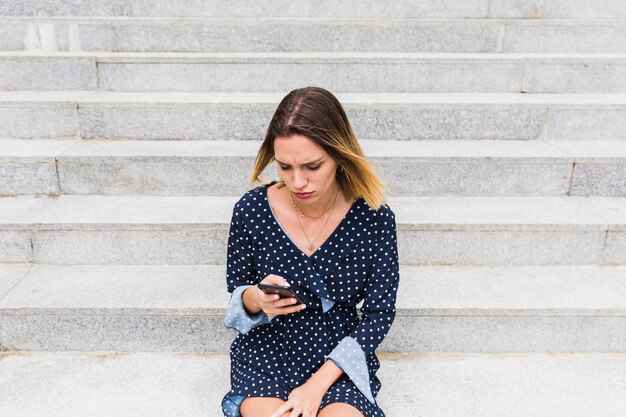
(304, 400)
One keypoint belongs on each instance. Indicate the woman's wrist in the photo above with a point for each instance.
(249, 301)
(318, 386)
(325, 377)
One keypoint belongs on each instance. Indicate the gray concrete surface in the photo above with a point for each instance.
(431, 230)
(204, 116)
(373, 117)
(546, 9)
(305, 34)
(247, 8)
(417, 168)
(339, 72)
(115, 384)
(440, 308)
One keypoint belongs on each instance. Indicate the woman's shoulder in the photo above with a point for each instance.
(250, 200)
(383, 213)
(373, 220)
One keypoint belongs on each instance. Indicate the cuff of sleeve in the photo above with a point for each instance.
(349, 356)
(237, 317)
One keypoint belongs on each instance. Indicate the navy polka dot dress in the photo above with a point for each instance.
(272, 355)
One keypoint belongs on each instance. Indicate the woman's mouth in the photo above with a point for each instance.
(303, 195)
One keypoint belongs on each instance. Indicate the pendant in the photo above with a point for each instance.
(311, 247)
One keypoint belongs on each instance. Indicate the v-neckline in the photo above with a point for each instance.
(280, 226)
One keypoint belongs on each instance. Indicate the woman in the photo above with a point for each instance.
(323, 229)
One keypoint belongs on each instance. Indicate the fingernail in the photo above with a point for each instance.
(276, 297)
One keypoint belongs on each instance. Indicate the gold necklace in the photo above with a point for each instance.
(311, 248)
(313, 219)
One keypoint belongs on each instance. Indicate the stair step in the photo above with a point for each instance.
(338, 72)
(432, 230)
(440, 309)
(544, 9)
(551, 9)
(203, 116)
(124, 34)
(418, 168)
(116, 384)
(11, 274)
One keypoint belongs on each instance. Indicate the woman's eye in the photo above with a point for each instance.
(312, 168)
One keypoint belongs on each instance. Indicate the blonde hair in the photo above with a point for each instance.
(317, 114)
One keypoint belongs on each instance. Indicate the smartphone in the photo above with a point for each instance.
(282, 290)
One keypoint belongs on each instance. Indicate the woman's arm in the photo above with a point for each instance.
(241, 275)
(306, 399)
(379, 308)
(326, 376)
(248, 307)
(249, 303)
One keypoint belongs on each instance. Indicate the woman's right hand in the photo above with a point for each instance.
(272, 304)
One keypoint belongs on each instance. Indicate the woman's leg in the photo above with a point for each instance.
(261, 406)
(340, 410)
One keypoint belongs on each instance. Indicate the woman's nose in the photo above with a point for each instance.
(299, 180)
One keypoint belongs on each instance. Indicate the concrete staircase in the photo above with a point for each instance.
(128, 129)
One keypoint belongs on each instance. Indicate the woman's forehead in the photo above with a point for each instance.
(297, 149)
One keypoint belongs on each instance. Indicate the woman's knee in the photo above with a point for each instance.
(261, 406)
(340, 410)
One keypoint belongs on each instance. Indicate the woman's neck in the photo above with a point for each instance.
(319, 208)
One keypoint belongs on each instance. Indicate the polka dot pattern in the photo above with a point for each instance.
(349, 356)
(273, 355)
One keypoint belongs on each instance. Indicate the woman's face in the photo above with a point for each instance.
(306, 168)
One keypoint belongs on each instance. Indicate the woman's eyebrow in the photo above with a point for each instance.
(306, 163)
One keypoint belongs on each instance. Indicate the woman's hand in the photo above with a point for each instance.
(272, 304)
(304, 400)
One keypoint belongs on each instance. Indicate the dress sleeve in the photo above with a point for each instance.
(240, 275)
(378, 310)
